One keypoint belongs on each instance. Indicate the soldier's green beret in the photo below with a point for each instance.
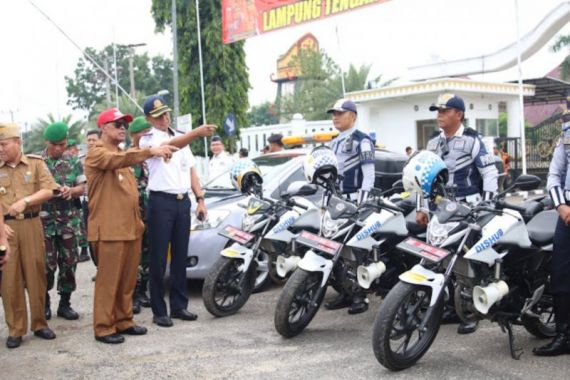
(71, 142)
(139, 124)
(56, 132)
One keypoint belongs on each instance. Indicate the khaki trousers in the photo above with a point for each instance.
(26, 269)
(115, 284)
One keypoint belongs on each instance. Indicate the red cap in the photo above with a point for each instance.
(112, 114)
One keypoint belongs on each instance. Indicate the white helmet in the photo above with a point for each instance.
(246, 176)
(422, 171)
(320, 163)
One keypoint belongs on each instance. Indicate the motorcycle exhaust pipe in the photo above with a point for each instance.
(368, 274)
(286, 265)
(484, 298)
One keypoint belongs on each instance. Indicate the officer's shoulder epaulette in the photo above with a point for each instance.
(36, 156)
(360, 135)
(470, 132)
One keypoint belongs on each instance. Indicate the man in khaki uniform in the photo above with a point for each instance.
(115, 227)
(25, 183)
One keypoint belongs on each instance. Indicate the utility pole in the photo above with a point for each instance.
(107, 82)
(131, 66)
(175, 62)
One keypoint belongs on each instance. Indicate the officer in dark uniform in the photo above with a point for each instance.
(558, 186)
(471, 168)
(354, 151)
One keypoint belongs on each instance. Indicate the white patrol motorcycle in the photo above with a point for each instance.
(354, 250)
(500, 265)
(231, 280)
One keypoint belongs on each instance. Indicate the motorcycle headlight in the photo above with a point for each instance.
(214, 219)
(331, 226)
(249, 221)
(438, 232)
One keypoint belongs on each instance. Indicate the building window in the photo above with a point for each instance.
(488, 127)
(424, 130)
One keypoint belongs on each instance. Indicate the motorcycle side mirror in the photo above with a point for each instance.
(527, 182)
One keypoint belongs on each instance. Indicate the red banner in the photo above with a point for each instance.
(247, 18)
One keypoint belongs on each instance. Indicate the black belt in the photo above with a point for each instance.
(25, 215)
(162, 194)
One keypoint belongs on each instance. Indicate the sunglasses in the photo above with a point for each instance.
(120, 124)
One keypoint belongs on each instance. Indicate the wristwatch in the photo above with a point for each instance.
(27, 201)
(199, 197)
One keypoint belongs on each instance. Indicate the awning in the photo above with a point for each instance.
(547, 90)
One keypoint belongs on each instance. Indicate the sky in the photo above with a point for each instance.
(390, 37)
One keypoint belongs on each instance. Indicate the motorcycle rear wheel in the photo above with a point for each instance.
(396, 340)
(542, 327)
(221, 292)
(298, 303)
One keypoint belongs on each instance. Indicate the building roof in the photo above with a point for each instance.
(547, 90)
(460, 85)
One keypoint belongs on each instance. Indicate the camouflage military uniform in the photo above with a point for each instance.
(61, 221)
(141, 175)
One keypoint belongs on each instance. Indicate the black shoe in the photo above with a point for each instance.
(163, 321)
(83, 258)
(450, 317)
(136, 306)
(359, 305)
(560, 345)
(45, 333)
(134, 330)
(183, 314)
(13, 341)
(111, 339)
(66, 312)
(340, 302)
(467, 327)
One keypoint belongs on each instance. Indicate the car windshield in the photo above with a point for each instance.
(271, 167)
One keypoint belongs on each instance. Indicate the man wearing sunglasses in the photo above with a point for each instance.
(168, 212)
(471, 168)
(115, 226)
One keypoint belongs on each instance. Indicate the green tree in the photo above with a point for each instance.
(321, 85)
(226, 79)
(263, 114)
(87, 86)
(34, 141)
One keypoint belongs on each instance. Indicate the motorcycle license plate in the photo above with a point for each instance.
(237, 235)
(423, 250)
(319, 243)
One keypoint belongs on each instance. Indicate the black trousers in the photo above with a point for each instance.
(168, 221)
(560, 266)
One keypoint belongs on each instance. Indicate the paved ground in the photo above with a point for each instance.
(246, 346)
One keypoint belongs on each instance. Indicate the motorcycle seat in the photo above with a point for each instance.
(541, 227)
(532, 209)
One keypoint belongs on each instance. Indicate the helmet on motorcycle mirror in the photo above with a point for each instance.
(320, 164)
(246, 176)
(423, 171)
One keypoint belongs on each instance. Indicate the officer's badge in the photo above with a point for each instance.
(27, 177)
(2, 190)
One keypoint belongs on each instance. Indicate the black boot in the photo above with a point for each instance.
(84, 256)
(561, 343)
(140, 294)
(136, 305)
(64, 310)
(467, 327)
(341, 301)
(47, 308)
(359, 305)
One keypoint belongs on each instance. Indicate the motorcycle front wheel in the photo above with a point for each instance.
(222, 293)
(397, 341)
(298, 303)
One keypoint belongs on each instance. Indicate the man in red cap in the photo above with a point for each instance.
(115, 227)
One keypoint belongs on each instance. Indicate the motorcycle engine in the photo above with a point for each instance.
(463, 299)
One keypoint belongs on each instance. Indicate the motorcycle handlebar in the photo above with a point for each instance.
(292, 202)
(502, 204)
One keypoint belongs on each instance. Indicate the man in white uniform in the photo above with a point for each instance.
(221, 161)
